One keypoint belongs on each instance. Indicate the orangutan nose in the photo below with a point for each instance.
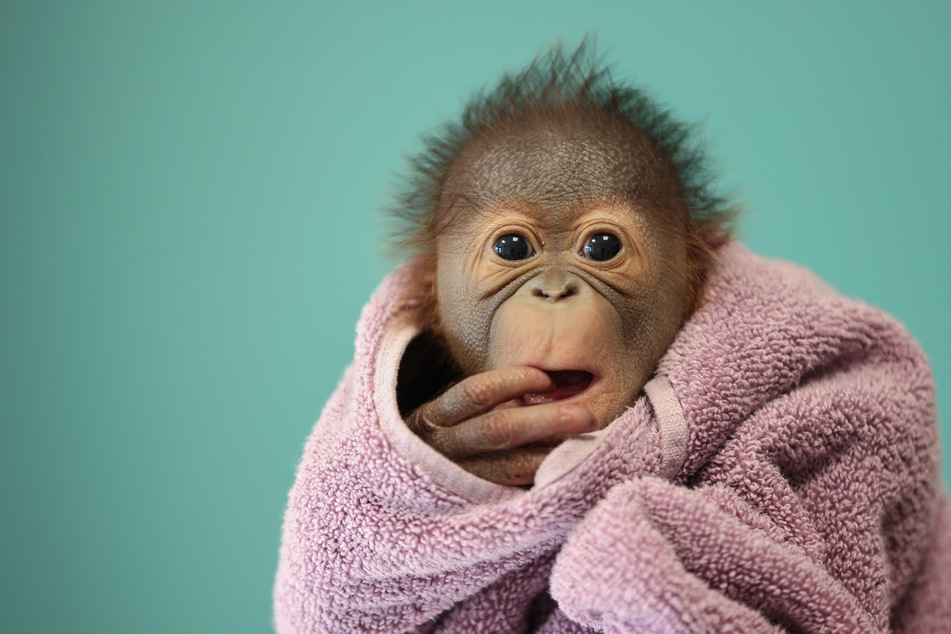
(554, 286)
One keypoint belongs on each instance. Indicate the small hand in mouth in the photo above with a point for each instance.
(479, 425)
(567, 383)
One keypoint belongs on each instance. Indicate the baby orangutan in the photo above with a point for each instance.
(561, 278)
(581, 406)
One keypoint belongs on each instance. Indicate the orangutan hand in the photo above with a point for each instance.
(487, 425)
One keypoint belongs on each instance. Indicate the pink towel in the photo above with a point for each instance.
(780, 474)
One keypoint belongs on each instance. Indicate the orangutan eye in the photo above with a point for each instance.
(602, 246)
(513, 247)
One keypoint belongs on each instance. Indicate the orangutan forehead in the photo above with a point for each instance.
(562, 163)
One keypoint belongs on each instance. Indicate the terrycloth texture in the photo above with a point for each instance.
(784, 479)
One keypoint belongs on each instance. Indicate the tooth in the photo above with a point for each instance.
(532, 399)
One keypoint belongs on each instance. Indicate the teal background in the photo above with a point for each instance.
(190, 193)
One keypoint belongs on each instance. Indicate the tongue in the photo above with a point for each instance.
(567, 384)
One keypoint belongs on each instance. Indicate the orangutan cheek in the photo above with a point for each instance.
(464, 322)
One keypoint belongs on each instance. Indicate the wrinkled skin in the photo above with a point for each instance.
(517, 328)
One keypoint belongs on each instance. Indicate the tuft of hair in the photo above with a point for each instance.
(560, 78)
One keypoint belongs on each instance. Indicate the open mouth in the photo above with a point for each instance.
(568, 383)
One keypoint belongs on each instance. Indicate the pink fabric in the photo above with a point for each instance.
(800, 493)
